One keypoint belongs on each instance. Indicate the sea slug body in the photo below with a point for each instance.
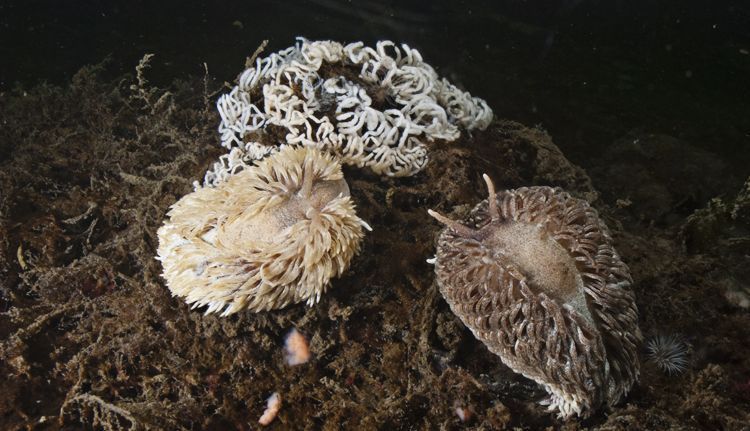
(533, 274)
(271, 235)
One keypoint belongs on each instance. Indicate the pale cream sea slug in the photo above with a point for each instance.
(271, 235)
(533, 274)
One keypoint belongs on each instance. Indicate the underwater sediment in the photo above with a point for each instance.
(92, 338)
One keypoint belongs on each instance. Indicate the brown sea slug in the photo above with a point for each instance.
(271, 235)
(533, 273)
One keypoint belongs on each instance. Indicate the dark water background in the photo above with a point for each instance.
(590, 72)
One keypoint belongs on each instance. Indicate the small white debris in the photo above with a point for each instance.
(273, 405)
(21, 260)
(463, 413)
(296, 348)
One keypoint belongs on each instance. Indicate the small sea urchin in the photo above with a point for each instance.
(670, 353)
(534, 275)
(271, 235)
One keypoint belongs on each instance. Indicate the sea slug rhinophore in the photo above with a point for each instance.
(533, 274)
(377, 107)
(271, 235)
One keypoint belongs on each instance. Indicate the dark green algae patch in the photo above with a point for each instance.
(90, 337)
